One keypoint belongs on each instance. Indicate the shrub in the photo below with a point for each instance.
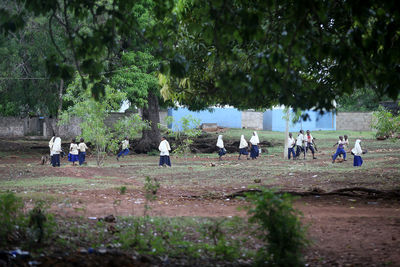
(280, 229)
(11, 216)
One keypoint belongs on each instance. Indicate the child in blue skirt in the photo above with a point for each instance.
(357, 152)
(243, 147)
(73, 152)
(164, 152)
(220, 145)
(254, 141)
(125, 148)
(82, 151)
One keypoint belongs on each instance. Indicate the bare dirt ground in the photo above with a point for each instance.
(358, 230)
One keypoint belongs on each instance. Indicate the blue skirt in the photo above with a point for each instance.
(221, 152)
(254, 152)
(243, 151)
(165, 160)
(73, 158)
(357, 161)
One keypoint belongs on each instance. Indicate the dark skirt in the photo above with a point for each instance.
(165, 160)
(221, 152)
(357, 161)
(73, 158)
(254, 152)
(243, 151)
(55, 160)
(82, 156)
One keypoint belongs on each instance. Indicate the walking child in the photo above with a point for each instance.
(243, 147)
(220, 145)
(164, 152)
(73, 152)
(299, 144)
(125, 148)
(82, 151)
(310, 143)
(254, 141)
(291, 145)
(55, 152)
(340, 149)
(357, 152)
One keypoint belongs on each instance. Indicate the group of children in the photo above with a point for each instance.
(243, 147)
(77, 152)
(303, 143)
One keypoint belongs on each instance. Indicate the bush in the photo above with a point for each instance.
(385, 123)
(11, 216)
(280, 229)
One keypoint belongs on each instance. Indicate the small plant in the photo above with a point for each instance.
(151, 187)
(279, 227)
(122, 190)
(11, 214)
(41, 225)
(185, 131)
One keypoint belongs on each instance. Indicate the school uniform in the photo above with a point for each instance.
(164, 153)
(340, 150)
(55, 152)
(73, 153)
(291, 144)
(51, 143)
(220, 145)
(82, 152)
(125, 149)
(254, 141)
(299, 145)
(357, 152)
(309, 143)
(243, 146)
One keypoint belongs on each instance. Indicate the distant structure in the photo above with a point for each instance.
(392, 106)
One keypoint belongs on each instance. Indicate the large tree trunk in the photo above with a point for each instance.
(150, 137)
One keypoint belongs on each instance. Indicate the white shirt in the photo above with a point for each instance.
(306, 140)
(291, 142)
(299, 140)
(73, 149)
(254, 140)
(125, 144)
(164, 148)
(220, 142)
(357, 151)
(56, 148)
(51, 143)
(82, 147)
(243, 142)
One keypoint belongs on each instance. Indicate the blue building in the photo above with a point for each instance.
(271, 120)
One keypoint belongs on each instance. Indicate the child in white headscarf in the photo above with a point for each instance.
(357, 152)
(243, 147)
(254, 141)
(164, 152)
(55, 152)
(220, 145)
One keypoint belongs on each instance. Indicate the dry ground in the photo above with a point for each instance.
(357, 230)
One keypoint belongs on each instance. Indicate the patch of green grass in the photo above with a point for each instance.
(43, 181)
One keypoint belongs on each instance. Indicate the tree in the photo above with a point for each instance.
(139, 81)
(25, 88)
(364, 99)
(242, 53)
(93, 114)
(255, 54)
